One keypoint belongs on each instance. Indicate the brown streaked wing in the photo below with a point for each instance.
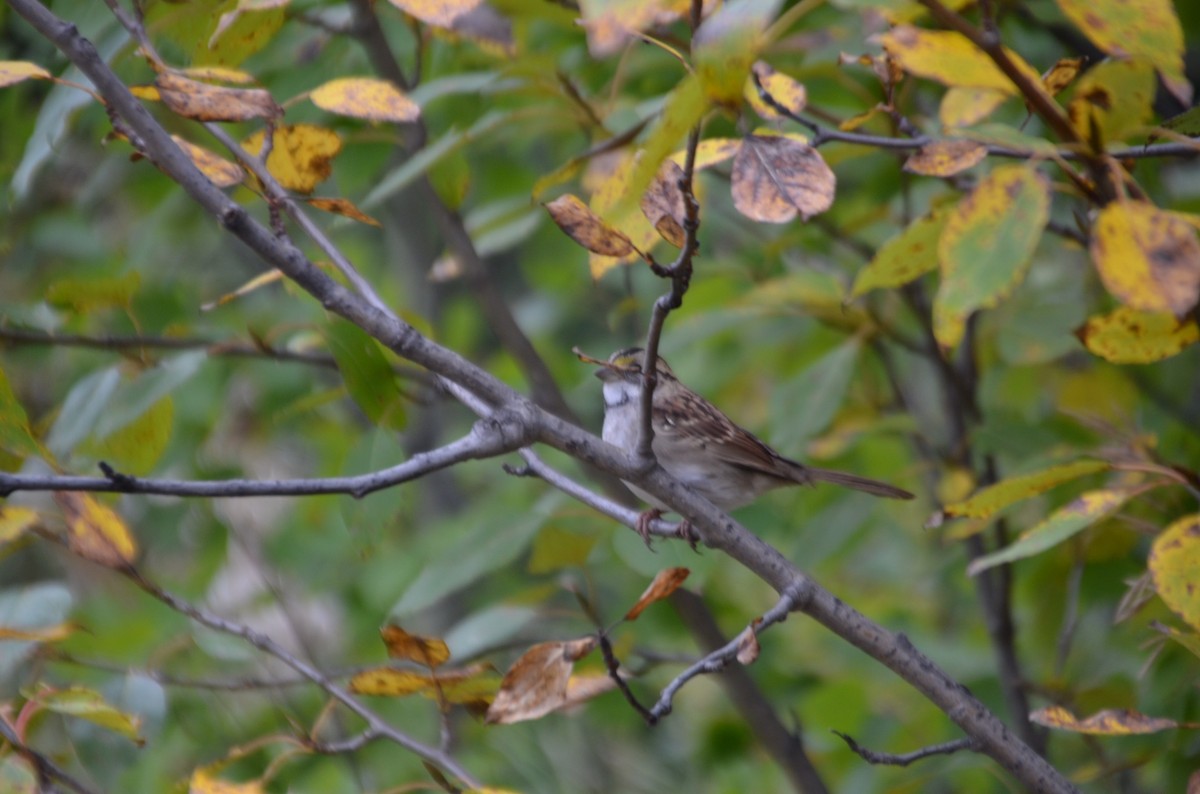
(684, 415)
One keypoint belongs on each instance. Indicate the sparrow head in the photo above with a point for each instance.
(625, 364)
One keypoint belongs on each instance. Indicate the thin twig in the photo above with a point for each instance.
(904, 759)
(488, 439)
(45, 769)
(613, 665)
(719, 659)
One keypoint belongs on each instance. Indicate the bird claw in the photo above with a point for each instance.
(645, 519)
(687, 532)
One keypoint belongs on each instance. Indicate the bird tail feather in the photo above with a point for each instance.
(865, 484)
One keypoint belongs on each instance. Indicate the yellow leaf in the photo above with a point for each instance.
(727, 43)
(365, 98)
(220, 74)
(14, 521)
(995, 498)
(608, 201)
(1146, 28)
(1113, 101)
(87, 704)
(440, 13)
(96, 532)
(1147, 258)
(1110, 722)
(786, 92)
(205, 782)
(13, 72)
(1061, 74)
(1129, 336)
(1175, 565)
(301, 154)
(41, 634)
(710, 152)
(903, 258)
(950, 59)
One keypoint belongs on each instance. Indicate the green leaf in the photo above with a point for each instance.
(15, 436)
(30, 607)
(1004, 135)
(726, 46)
(84, 407)
(85, 295)
(136, 447)
(813, 397)
(987, 245)
(905, 257)
(1064, 523)
(1146, 28)
(368, 375)
(135, 397)
(1186, 123)
(685, 106)
(1175, 565)
(995, 498)
(1113, 100)
(556, 548)
(451, 178)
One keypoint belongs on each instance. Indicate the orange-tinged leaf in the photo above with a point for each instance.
(988, 244)
(962, 107)
(1061, 74)
(1147, 28)
(667, 581)
(1175, 565)
(946, 157)
(785, 91)
(710, 152)
(903, 258)
(1062, 524)
(587, 228)
(40, 634)
(13, 72)
(536, 684)
(1110, 722)
(270, 277)
(365, 98)
(427, 651)
(95, 531)
(663, 203)
(301, 154)
(14, 521)
(204, 781)
(950, 59)
(1147, 258)
(440, 13)
(995, 498)
(344, 207)
(203, 102)
(220, 172)
(1129, 336)
(777, 178)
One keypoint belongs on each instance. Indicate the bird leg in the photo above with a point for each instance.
(687, 532)
(644, 520)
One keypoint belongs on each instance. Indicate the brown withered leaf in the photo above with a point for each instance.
(667, 581)
(95, 531)
(428, 651)
(663, 203)
(748, 647)
(776, 178)
(582, 688)
(587, 228)
(203, 102)
(946, 157)
(536, 684)
(344, 207)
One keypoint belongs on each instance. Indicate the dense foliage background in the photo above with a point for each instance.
(101, 250)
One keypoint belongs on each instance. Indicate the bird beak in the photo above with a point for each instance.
(606, 372)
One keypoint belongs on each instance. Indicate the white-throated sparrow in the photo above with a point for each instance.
(699, 445)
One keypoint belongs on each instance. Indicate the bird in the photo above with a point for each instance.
(697, 444)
